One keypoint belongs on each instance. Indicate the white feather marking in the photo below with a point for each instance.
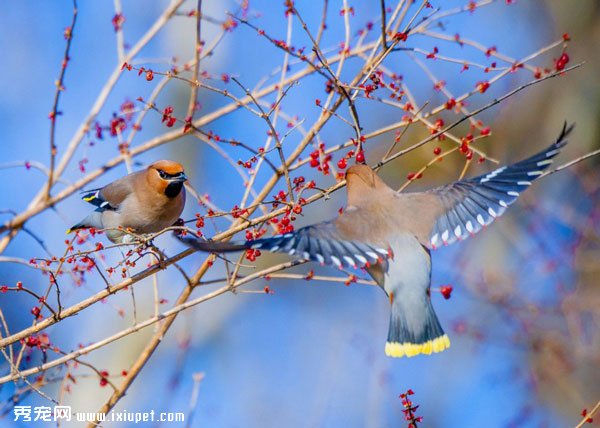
(457, 231)
(492, 174)
(350, 261)
(492, 212)
(480, 220)
(305, 255)
(257, 245)
(502, 203)
(382, 251)
(361, 259)
(274, 248)
(524, 183)
(544, 162)
(534, 173)
(445, 235)
(320, 258)
(336, 261)
(512, 193)
(469, 226)
(552, 153)
(434, 239)
(288, 235)
(372, 255)
(292, 252)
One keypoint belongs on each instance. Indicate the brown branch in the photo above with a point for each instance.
(265, 116)
(572, 162)
(473, 113)
(197, 48)
(383, 25)
(588, 417)
(341, 88)
(59, 89)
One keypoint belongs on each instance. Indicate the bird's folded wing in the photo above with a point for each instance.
(322, 243)
(110, 197)
(464, 207)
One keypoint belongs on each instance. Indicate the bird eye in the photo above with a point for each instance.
(162, 174)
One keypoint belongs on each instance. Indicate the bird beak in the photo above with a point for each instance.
(180, 178)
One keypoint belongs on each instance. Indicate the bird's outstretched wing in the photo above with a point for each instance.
(466, 206)
(323, 243)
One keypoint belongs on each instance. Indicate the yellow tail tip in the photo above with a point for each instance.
(69, 231)
(406, 349)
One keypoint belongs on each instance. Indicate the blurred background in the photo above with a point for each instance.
(524, 314)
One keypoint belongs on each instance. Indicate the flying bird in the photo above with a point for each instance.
(390, 234)
(145, 201)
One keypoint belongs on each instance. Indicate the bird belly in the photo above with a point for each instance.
(408, 276)
(150, 218)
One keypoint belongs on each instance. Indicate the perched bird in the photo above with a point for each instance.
(146, 201)
(390, 234)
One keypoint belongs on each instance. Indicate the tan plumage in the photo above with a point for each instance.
(146, 201)
(390, 234)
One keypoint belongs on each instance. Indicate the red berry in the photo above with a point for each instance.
(437, 151)
(360, 157)
(483, 86)
(446, 291)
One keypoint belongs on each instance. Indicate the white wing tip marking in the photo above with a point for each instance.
(350, 261)
(336, 261)
(469, 226)
(361, 259)
(372, 255)
(445, 235)
(480, 220)
(512, 193)
(457, 231)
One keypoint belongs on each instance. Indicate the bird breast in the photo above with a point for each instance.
(150, 215)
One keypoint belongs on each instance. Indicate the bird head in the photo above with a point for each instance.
(361, 176)
(363, 184)
(167, 177)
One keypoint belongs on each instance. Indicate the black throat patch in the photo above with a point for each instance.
(173, 189)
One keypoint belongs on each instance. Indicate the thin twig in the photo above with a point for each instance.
(59, 89)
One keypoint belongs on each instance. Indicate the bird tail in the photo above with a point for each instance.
(414, 329)
(93, 220)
